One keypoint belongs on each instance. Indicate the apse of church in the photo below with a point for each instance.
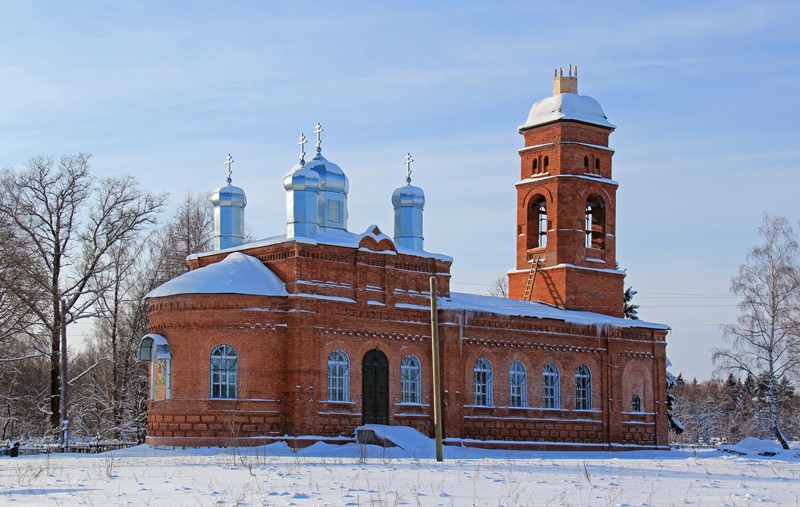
(306, 335)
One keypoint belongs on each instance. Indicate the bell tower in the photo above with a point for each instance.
(566, 205)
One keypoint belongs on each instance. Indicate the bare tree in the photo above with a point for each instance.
(189, 232)
(68, 222)
(765, 342)
(499, 287)
(113, 396)
(115, 287)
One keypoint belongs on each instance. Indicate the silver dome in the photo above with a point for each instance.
(331, 176)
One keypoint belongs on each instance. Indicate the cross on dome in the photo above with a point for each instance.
(302, 144)
(408, 167)
(228, 162)
(318, 131)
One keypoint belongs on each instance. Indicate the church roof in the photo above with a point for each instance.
(236, 274)
(338, 238)
(517, 308)
(567, 106)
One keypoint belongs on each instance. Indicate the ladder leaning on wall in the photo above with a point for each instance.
(535, 263)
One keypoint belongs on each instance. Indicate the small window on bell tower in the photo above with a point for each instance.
(546, 162)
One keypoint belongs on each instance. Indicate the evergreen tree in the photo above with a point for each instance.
(630, 310)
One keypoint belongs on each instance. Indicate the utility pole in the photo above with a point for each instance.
(437, 385)
(64, 415)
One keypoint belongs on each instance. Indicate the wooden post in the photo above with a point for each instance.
(437, 385)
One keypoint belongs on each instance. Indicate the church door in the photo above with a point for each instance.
(375, 388)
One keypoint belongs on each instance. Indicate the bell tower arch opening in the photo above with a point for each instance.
(595, 223)
(536, 223)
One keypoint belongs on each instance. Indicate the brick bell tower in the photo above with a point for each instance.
(566, 205)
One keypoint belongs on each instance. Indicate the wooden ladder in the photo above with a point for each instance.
(531, 278)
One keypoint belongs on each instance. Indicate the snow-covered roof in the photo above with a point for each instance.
(567, 106)
(236, 274)
(337, 238)
(514, 307)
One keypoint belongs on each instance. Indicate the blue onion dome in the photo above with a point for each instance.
(229, 195)
(408, 195)
(301, 178)
(331, 176)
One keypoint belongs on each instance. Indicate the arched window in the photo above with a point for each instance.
(595, 225)
(597, 164)
(224, 372)
(586, 163)
(483, 383)
(636, 403)
(537, 222)
(551, 387)
(338, 376)
(155, 348)
(535, 165)
(410, 379)
(583, 388)
(517, 385)
(546, 162)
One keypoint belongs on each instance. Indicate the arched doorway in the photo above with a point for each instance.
(375, 388)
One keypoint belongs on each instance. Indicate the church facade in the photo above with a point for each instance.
(305, 336)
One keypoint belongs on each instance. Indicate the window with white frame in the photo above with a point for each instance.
(483, 383)
(338, 376)
(517, 385)
(537, 222)
(410, 379)
(224, 372)
(595, 223)
(551, 387)
(583, 388)
(636, 403)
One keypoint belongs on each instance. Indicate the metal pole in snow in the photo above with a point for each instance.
(437, 389)
(64, 412)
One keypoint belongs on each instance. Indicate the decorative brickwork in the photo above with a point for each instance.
(365, 296)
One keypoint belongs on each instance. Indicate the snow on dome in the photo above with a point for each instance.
(567, 106)
(236, 274)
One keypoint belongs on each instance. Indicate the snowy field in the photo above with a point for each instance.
(350, 475)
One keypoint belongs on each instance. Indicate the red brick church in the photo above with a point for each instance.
(307, 335)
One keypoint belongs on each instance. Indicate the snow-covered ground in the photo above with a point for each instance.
(354, 474)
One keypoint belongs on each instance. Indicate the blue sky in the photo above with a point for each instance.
(703, 95)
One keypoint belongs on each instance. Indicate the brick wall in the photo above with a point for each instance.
(283, 345)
